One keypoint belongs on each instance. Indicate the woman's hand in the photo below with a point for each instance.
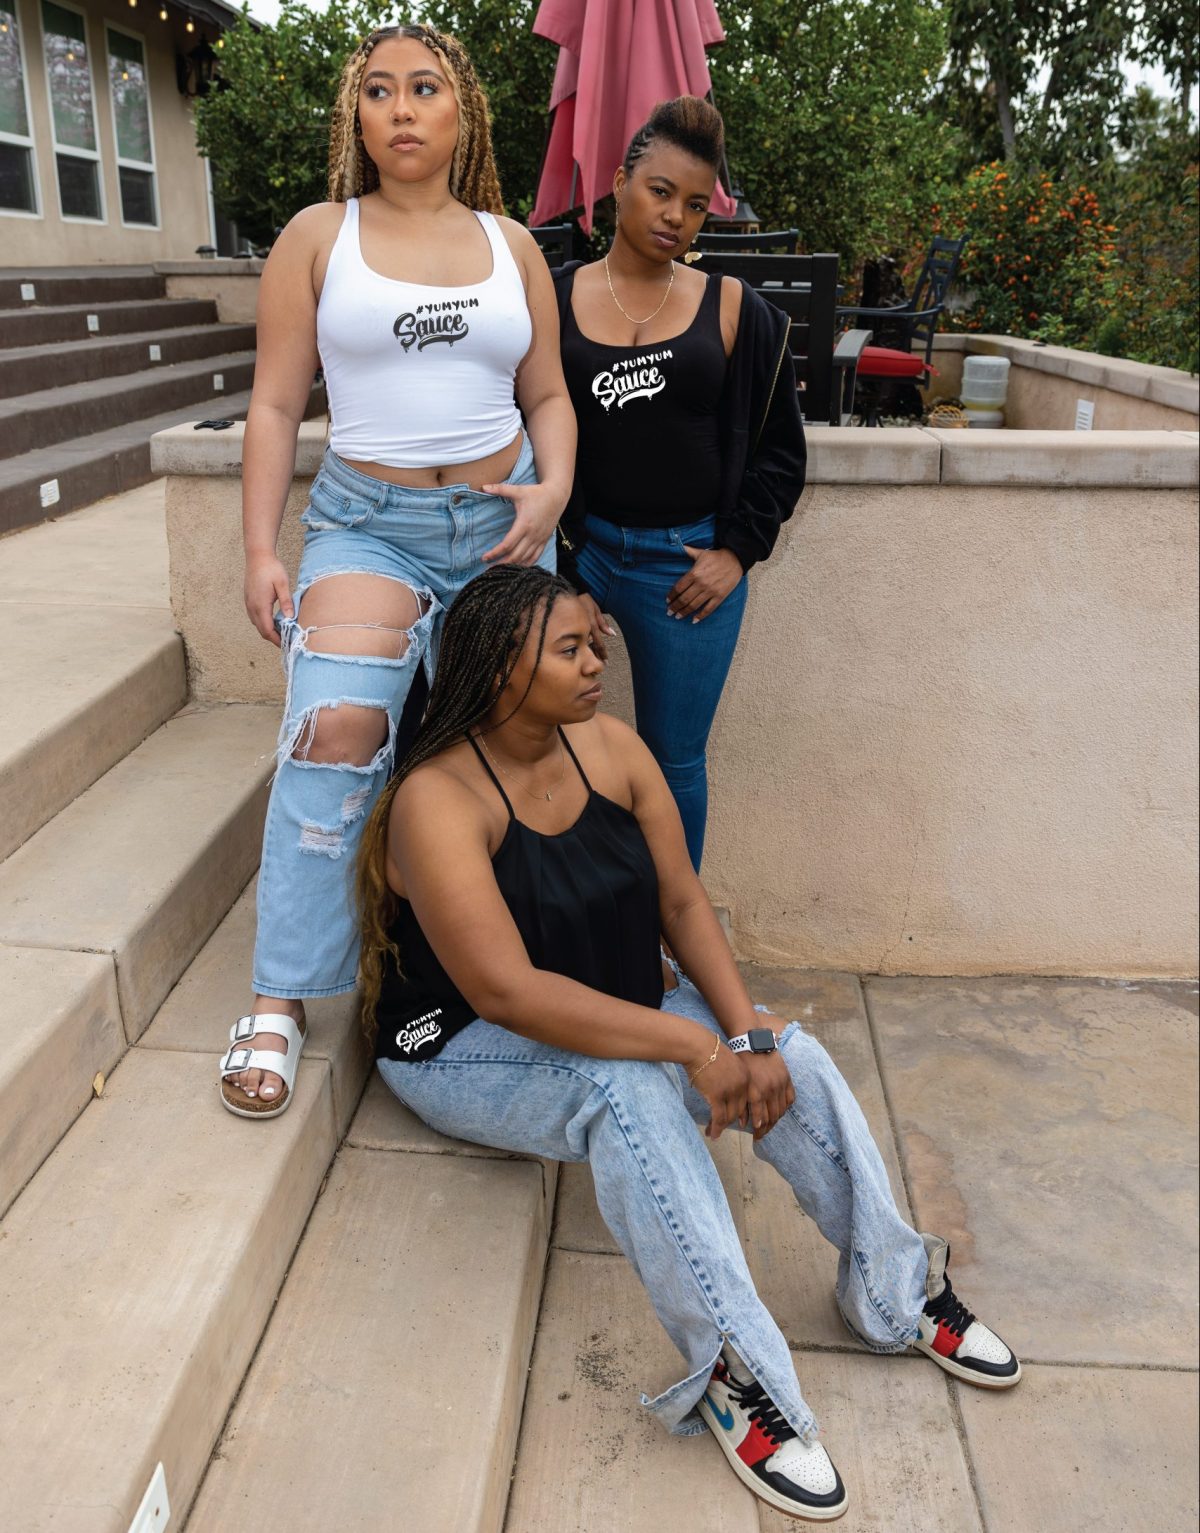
(776, 1093)
(599, 626)
(727, 1087)
(715, 572)
(267, 583)
(538, 508)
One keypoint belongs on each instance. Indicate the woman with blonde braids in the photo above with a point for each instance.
(428, 312)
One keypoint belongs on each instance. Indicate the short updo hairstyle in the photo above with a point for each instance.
(689, 123)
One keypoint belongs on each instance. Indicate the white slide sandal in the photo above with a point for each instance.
(243, 1055)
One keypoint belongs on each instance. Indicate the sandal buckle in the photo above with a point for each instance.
(244, 1029)
(235, 1060)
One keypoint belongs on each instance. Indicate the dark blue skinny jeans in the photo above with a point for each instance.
(678, 666)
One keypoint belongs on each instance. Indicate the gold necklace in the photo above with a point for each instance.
(517, 780)
(621, 306)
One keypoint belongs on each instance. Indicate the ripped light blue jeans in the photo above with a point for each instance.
(432, 542)
(661, 1197)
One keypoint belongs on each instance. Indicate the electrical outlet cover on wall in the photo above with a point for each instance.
(1085, 413)
(155, 1511)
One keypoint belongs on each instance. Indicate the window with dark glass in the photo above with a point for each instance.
(129, 91)
(18, 190)
(72, 111)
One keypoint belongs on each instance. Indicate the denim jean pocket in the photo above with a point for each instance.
(701, 534)
(330, 507)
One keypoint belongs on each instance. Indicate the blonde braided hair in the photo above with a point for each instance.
(473, 176)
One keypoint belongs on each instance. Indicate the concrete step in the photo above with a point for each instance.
(56, 285)
(90, 468)
(54, 415)
(145, 864)
(74, 703)
(393, 1372)
(137, 1271)
(27, 369)
(62, 1026)
(33, 326)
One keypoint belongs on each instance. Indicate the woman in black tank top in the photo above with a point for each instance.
(691, 445)
(519, 869)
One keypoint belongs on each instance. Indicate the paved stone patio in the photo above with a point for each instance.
(1047, 1127)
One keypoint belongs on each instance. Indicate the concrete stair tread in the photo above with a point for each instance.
(104, 358)
(73, 393)
(98, 464)
(137, 1270)
(71, 710)
(62, 1026)
(34, 324)
(392, 1373)
(146, 863)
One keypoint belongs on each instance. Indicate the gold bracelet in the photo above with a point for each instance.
(707, 1062)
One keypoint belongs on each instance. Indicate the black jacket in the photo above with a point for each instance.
(762, 437)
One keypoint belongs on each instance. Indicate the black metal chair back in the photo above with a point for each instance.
(929, 292)
(782, 240)
(555, 241)
(805, 288)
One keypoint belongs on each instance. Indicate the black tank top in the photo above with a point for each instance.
(585, 902)
(649, 442)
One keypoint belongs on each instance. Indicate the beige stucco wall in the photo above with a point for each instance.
(49, 240)
(231, 284)
(959, 733)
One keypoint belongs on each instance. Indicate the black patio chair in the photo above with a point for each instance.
(805, 287)
(909, 329)
(555, 241)
(782, 240)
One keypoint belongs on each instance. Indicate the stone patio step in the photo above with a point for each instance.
(57, 285)
(62, 1026)
(145, 864)
(52, 415)
(69, 322)
(388, 1390)
(137, 1271)
(76, 699)
(26, 369)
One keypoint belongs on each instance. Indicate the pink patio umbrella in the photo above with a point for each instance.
(617, 58)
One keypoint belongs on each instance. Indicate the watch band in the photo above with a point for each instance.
(759, 1040)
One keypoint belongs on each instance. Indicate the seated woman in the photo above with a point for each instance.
(520, 867)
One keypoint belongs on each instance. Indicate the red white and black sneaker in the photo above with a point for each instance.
(950, 1334)
(764, 1452)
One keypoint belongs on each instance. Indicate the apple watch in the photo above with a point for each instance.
(759, 1040)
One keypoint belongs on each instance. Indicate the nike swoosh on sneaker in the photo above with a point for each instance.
(724, 1417)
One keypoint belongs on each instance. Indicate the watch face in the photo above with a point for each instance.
(762, 1040)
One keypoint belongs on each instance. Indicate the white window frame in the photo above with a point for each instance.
(68, 149)
(122, 161)
(15, 138)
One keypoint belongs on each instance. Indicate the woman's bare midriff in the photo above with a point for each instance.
(494, 469)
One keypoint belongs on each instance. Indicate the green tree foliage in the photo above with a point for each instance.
(828, 121)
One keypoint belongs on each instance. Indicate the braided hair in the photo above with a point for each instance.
(484, 635)
(473, 176)
(690, 123)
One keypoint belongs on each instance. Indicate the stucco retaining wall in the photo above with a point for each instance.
(959, 733)
(232, 283)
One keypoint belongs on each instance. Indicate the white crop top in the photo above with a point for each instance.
(420, 376)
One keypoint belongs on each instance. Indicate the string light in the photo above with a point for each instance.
(133, 5)
(191, 25)
(162, 14)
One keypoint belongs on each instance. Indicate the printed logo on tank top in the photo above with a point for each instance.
(430, 323)
(631, 378)
(422, 1029)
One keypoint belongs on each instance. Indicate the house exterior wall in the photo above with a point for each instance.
(181, 186)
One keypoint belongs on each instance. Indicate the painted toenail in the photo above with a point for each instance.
(251, 1093)
(268, 1091)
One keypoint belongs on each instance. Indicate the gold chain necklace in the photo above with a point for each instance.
(517, 780)
(621, 306)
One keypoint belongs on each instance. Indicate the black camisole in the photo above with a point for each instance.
(649, 436)
(584, 901)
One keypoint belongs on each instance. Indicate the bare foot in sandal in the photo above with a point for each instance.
(256, 1091)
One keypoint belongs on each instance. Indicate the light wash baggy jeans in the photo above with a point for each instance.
(661, 1197)
(431, 541)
